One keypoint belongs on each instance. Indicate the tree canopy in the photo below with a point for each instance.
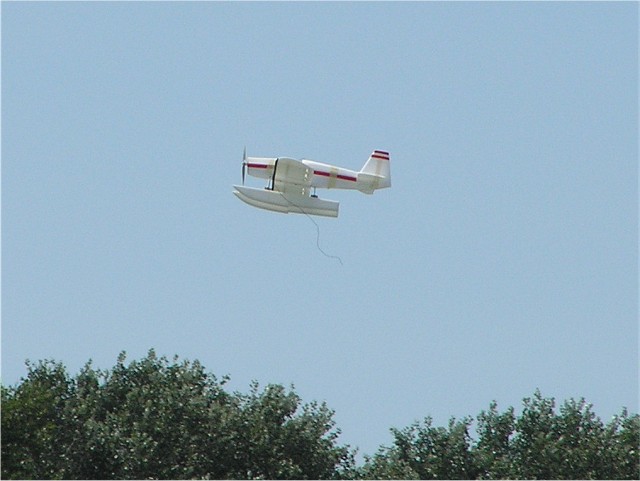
(155, 418)
(541, 443)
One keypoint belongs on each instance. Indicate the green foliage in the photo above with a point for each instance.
(31, 416)
(153, 418)
(148, 419)
(493, 451)
(156, 419)
(277, 440)
(622, 445)
(539, 444)
(423, 451)
(564, 446)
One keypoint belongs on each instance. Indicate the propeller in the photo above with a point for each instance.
(244, 164)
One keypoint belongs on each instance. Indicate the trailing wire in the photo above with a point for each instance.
(317, 230)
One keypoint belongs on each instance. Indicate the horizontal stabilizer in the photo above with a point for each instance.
(368, 183)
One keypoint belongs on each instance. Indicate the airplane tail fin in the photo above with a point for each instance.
(376, 172)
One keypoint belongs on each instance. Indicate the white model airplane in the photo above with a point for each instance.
(293, 183)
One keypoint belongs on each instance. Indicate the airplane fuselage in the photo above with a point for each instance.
(325, 176)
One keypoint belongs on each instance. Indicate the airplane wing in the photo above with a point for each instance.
(292, 177)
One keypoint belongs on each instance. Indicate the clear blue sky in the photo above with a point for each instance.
(503, 259)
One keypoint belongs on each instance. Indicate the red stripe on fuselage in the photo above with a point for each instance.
(257, 166)
(347, 177)
(341, 177)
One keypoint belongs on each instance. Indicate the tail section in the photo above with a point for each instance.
(376, 173)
